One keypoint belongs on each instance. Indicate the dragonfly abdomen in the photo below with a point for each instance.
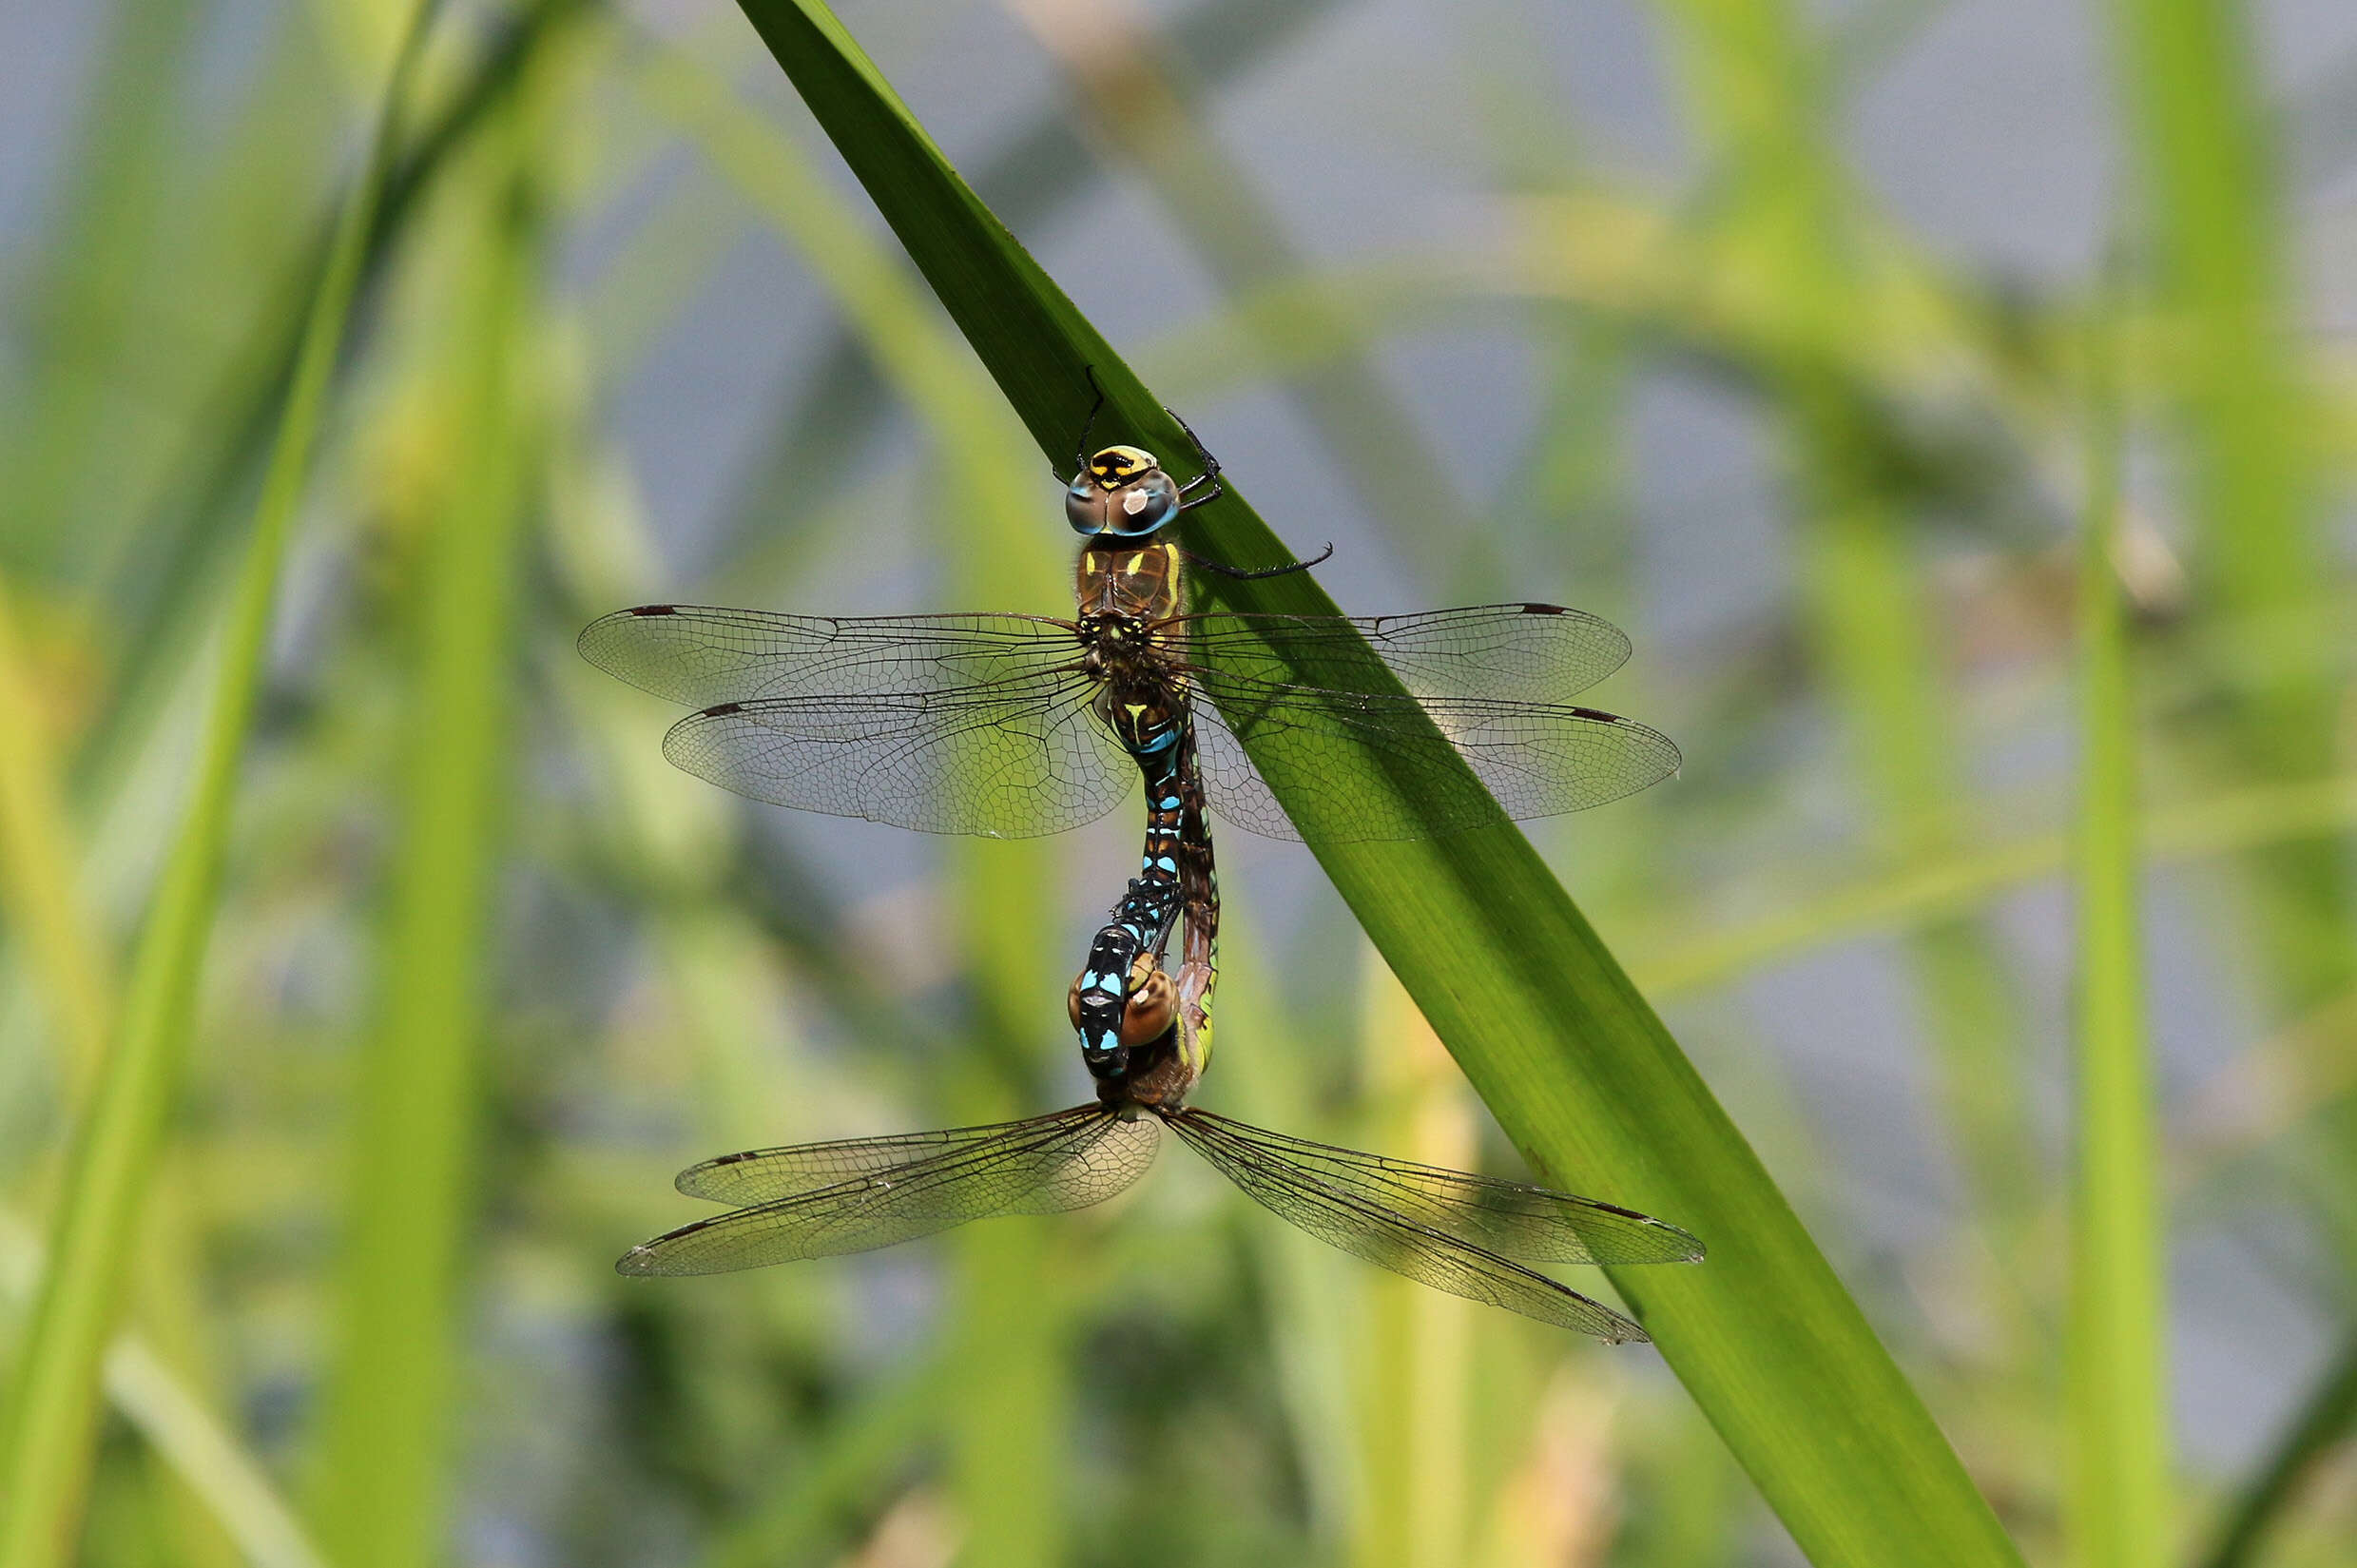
(1122, 998)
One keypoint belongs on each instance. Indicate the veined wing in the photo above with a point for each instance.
(702, 656)
(1045, 1165)
(1535, 759)
(1007, 762)
(763, 1175)
(945, 724)
(1535, 1224)
(1524, 652)
(1300, 1194)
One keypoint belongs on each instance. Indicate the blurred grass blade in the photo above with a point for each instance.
(2322, 1423)
(160, 593)
(38, 891)
(1677, 956)
(821, 426)
(2118, 1503)
(229, 1481)
(1756, 83)
(1576, 1066)
(1008, 1388)
(1142, 100)
(396, 1384)
(46, 1447)
(2201, 135)
(82, 297)
(802, 1520)
(1416, 1364)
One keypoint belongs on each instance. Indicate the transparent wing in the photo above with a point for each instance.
(1299, 1195)
(1044, 1165)
(1519, 652)
(763, 1175)
(1535, 759)
(1535, 1224)
(701, 656)
(1006, 762)
(945, 724)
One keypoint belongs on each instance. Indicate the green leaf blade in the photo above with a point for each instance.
(1569, 1058)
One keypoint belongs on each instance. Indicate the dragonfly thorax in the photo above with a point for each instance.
(1135, 581)
(1137, 693)
(1123, 491)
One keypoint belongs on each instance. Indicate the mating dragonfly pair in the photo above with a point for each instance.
(1012, 725)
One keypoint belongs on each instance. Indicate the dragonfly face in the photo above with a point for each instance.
(1122, 493)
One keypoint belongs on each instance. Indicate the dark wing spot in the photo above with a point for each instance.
(1544, 609)
(724, 711)
(656, 609)
(1599, 715)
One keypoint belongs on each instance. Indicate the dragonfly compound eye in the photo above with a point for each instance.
(1150, 1009)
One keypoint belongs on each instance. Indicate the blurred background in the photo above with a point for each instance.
(1756, 328)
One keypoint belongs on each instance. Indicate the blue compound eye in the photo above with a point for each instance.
(1084, 507)
(1141, 507)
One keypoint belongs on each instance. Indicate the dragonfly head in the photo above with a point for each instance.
(1122, 493)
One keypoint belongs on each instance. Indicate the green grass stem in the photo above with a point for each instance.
(46, 1445)
(394, 1382)
(2116, 1422)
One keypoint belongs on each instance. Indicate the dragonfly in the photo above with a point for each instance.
(1011, 725)
(982, 729)
(1473, 1237)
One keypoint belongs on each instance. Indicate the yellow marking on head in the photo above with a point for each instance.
(1116, 466)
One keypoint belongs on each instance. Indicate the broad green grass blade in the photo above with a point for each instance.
(46, 1448)
(1576, 1065)
(2118, 1500)
(396, 1388)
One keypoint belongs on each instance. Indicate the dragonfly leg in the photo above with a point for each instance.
(1211, 475)
(1080, 451)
